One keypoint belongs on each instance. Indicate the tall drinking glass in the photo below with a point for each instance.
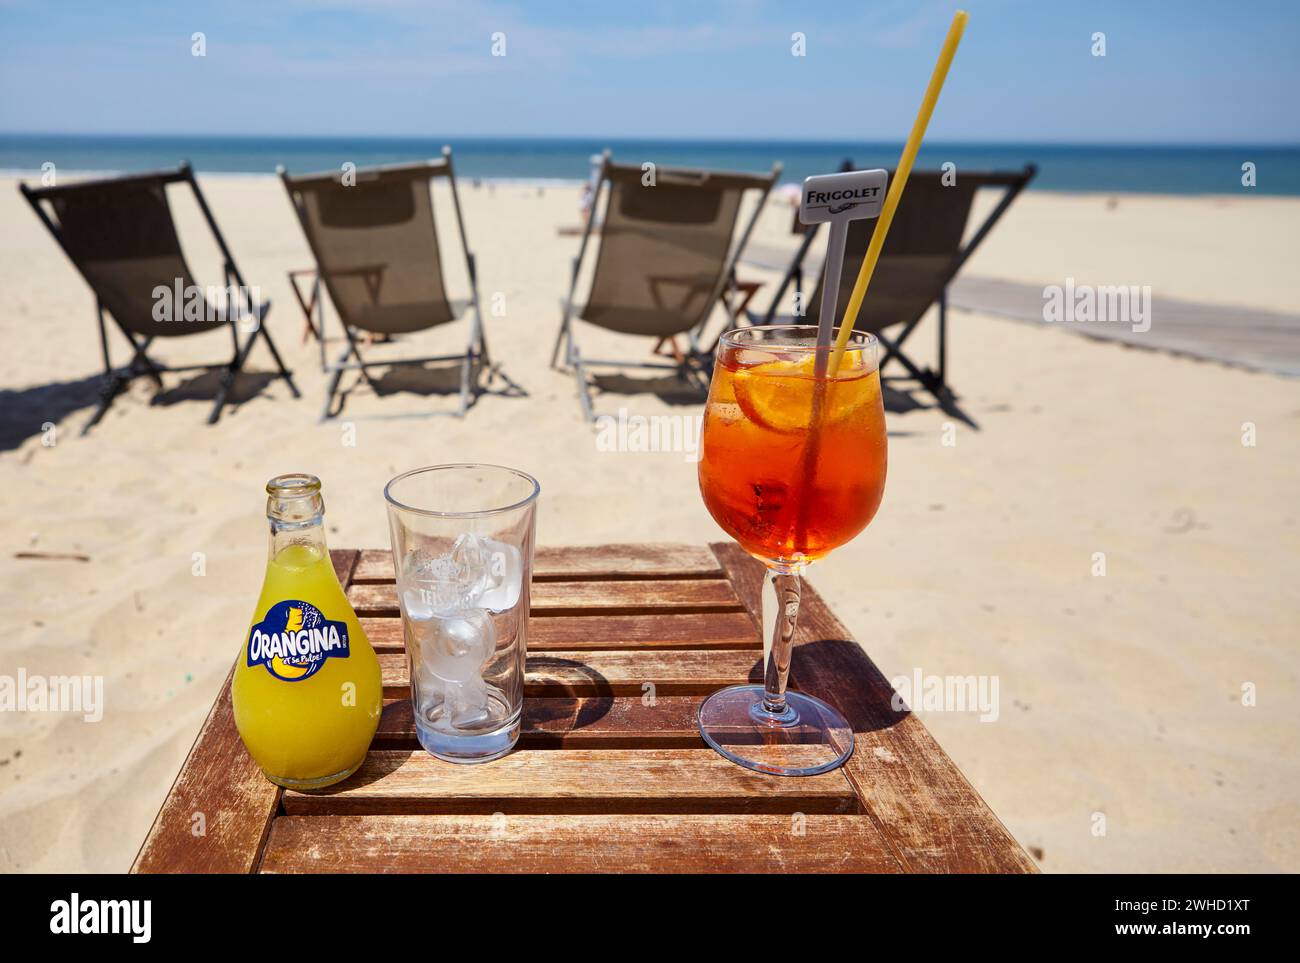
(462, 538)
(792, 466)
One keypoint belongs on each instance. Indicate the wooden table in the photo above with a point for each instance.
(609, 775)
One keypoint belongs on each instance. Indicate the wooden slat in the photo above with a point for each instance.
(578, 598)
(677, 630)
(929, 813)
(220, 791)
(580, 563)
(577, 844)
(590, 722)
(573, 781)
(557, 673)
(345, 563)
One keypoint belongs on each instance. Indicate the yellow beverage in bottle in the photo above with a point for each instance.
(307, 693)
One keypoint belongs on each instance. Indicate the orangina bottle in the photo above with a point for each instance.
(306, 692)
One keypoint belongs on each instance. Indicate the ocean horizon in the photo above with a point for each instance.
(1148, 169)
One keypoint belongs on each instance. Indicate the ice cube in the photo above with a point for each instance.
(453, 652)
(456, 647)
(451, 603)
(417, 604)
(478, 573)
(429, 692)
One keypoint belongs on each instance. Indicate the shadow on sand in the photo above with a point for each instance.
(903, 395)
(428, 380)
(24, 412)
(669, 388)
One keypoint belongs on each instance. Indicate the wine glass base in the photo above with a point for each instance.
(810, 738)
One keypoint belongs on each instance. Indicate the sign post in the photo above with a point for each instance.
(837, 199)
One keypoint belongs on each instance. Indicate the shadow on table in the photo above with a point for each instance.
(829, 667)
(565, 678)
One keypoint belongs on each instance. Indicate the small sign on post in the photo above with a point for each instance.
(837, 199)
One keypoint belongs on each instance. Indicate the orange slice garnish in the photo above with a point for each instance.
(779, 394)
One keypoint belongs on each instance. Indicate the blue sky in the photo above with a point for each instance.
(1189, 72)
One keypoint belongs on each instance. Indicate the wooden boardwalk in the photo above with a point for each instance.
(1247, 337)
(1250, 338)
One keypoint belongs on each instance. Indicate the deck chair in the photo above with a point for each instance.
(921, 256)
(666, 254)
(376, 250)
(119, 234)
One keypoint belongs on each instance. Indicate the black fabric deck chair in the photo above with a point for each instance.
(921, 256)
(666, 254)
(120, 235)
(376, 250)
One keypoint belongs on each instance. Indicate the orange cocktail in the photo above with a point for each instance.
(792, 466)
(788, 492)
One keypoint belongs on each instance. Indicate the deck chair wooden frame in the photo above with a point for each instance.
(136, 330)
(373, 279)
(935, 380)
(693, 364)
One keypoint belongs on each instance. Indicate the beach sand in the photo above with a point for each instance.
(1119, 695)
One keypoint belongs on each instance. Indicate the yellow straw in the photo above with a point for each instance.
(895, 193)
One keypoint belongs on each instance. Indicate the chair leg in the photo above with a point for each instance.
(921, 376)
(228, 379)
(686, 371)
(465, 364)
(141, 363)
(334, 386)
(580, 374)
(356, 353)
(309, 326)
(559, 339)
(320, 326)
(236, 366)
(943, 339)
(151, 372)
(114, 380)
(702, 370)
(929, 379)
(279, 362)
(108, 391)
(467, 367)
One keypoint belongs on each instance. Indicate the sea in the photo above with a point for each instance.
(1243, 170)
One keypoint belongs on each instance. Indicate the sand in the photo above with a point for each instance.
(1120, 694)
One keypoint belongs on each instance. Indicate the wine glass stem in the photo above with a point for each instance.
(780, 613)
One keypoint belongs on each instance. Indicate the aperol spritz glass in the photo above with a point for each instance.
(792, 466)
